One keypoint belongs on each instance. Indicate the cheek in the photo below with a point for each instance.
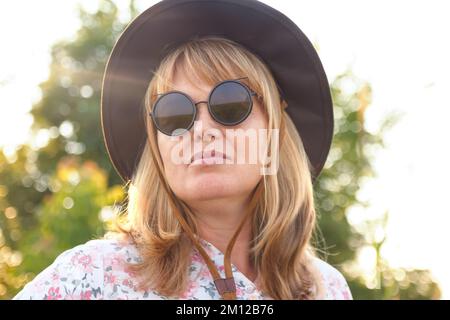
(164, 148)
(246, 172)
(256, 128)
(171, 169)
(257, 118)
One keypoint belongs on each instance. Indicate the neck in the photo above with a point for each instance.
(217, 222)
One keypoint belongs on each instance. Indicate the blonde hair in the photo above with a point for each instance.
(284, 218)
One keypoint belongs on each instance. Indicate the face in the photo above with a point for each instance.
(212, 177)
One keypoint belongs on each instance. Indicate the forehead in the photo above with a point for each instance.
(197, 88)
(181, 79)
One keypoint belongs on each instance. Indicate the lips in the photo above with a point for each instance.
(208, 157)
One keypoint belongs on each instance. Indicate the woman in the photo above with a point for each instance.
(204, 220)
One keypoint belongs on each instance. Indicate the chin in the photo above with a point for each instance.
(208, 187)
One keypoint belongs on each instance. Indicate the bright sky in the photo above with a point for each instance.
(400, 47)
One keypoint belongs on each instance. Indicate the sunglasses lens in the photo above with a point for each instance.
(173, 113)
(230, 103)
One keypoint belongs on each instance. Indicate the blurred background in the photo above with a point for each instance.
(382, 198)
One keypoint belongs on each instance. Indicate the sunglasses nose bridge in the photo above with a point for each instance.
(199, 110)
(197, 103)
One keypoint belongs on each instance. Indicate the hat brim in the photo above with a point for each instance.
(266, 32)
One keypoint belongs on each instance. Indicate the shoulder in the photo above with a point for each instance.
(79, 273)
(334, 285)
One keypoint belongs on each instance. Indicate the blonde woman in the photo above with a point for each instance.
(218, 116)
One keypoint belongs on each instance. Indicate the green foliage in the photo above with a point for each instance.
(347, 167)
(71, 95)
(71, 215)
(56, 196)
(69, 115)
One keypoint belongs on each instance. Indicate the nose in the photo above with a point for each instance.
(208, 127)
(202, 111)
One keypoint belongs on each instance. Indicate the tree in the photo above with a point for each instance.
(347, 167)
(68, 117)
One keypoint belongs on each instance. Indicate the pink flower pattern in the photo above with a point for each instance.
(53, 294)
(97, 270)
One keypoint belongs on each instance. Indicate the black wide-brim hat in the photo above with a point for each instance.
(264, 31)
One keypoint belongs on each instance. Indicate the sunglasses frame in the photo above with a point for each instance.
(250, 93)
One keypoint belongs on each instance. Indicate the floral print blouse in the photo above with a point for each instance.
(97, 270)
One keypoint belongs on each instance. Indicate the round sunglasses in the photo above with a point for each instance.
(229, 103)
